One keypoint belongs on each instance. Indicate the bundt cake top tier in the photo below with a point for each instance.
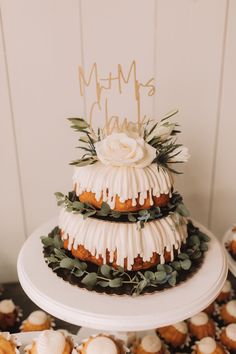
(126, 182)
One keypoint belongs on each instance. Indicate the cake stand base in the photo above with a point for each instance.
(231, 262)
(118, 313)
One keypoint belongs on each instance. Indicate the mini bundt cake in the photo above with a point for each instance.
(37, 321)
(102, 343)
(228, 336)
(228, 312)
(201, 326)
(150, 344)
(53, 342)
(208, 345)
(175, 335)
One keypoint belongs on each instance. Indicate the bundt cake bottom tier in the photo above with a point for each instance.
(84, 255)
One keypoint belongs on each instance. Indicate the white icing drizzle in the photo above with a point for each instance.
(151, 343)
(207, 345)
(231, 331)
(181, 327)
(97, 236)
(7, 306)
(37, 317)
(231, 308)
(50, 342)
(126, 182)
(200, 319)
(227, 287)
(102, 345)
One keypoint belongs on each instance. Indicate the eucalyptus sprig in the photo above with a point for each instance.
(88, 138)
(73, 204)
(106, 276)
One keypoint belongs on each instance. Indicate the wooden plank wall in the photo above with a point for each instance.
(187, 45)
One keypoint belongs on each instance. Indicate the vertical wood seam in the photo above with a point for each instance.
(155, 56)
(82, 58)
(19, 176)
(218, 114)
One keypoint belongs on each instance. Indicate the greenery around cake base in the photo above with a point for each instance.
(107, 279)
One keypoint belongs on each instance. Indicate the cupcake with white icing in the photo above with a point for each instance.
(175, 335)
(208, 345)
(228, 336)
(8, 344)
(103, 344)
(52, 342)
(228, 312)
(150, 344)
(37, 321)
(201, 326)
(9, 314)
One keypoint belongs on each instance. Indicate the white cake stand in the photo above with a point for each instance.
(118, 313)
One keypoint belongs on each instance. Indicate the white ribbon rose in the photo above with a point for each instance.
(119, 149)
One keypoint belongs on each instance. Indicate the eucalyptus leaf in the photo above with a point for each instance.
(90, 279)
(89, 213)
(47, 241)
(78, 205)
(182, 210)
(67, 263)
(149, 275)
(103, 283)
(59, 195)
(78, 273)
(183, 256)
(80, 265)
(160, 275)
(186, 264)
(204, 246)
(131, 217)
(176, 265)
(172, 279)
(115, 283)
(106, 270)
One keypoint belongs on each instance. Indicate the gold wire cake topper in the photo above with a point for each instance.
(104, 85)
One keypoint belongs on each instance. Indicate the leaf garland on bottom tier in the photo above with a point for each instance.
(116, 281)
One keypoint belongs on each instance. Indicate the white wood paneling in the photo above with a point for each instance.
(224, 198)
(11, 211)
(117, 32)
(190, 37)
(43, 47)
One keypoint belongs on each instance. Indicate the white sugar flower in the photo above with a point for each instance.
(119, 149)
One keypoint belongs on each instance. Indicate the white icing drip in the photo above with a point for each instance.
(50, 342)
(227, 287)
(37, 317)
(200, 319)
(231, 308)
(102, 345)
(181, 327)
(207, 345)
(97, 236)
(231, 331)
(151, 343)
(126, 182)
(7, 306)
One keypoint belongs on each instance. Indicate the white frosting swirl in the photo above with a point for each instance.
(151, 343)
(7, 306)
(97, 236)
(38, 317)
(207, 345)
(119, 149)
(125, 182)
(181, 327)
(227, 287)
(101, 344)
(50, 342)
(231, 308)
(200, 319)
(231, 331)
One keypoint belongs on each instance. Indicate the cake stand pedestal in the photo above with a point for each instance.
(118, 313)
